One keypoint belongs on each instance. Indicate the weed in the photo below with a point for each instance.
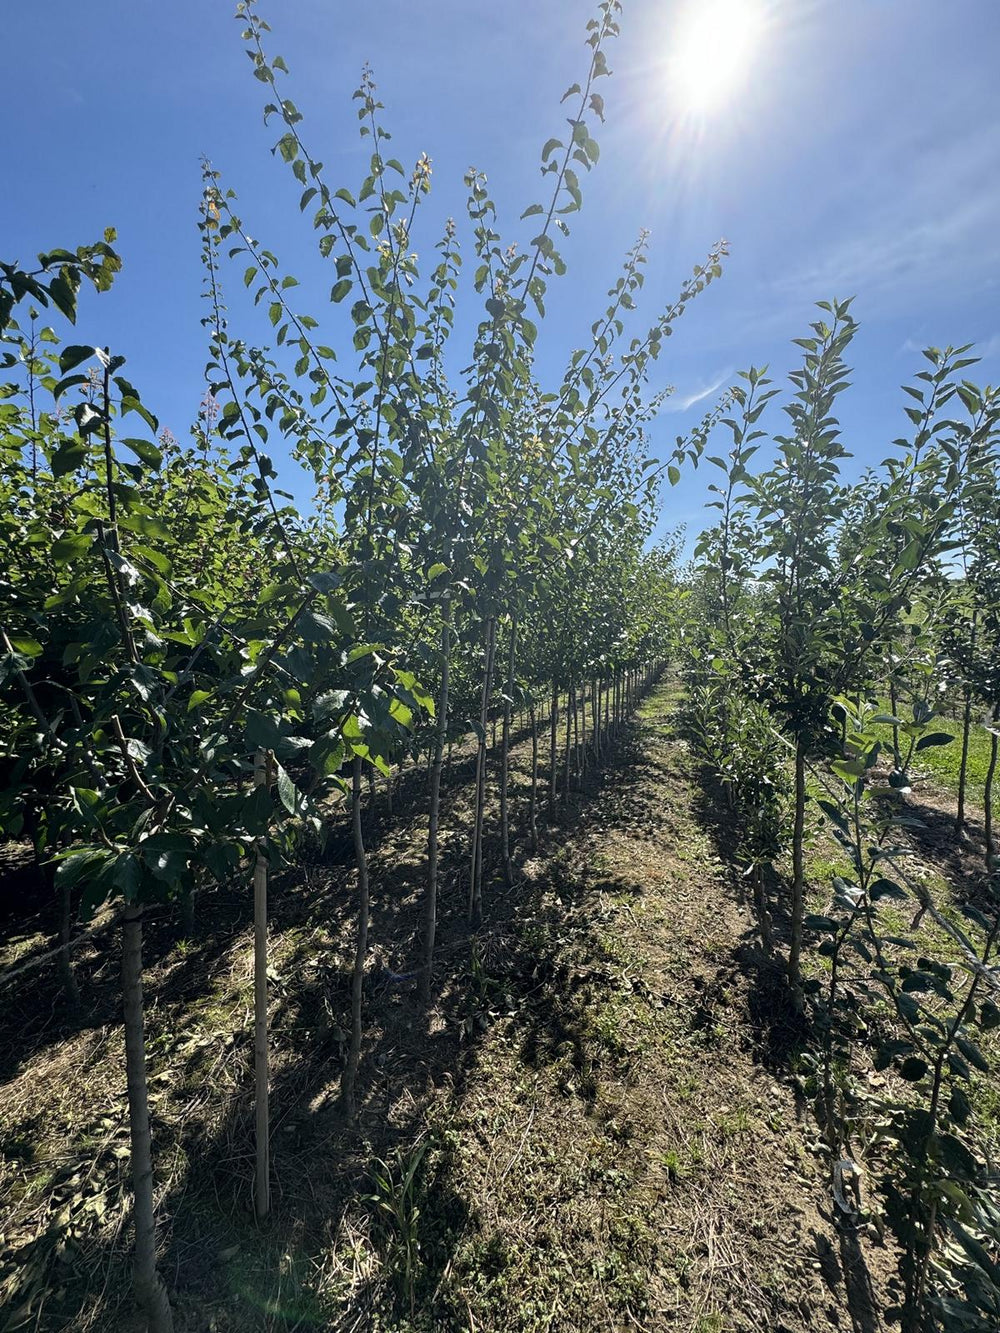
(396, 1207)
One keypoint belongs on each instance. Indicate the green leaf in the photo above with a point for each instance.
(70, 547)
(127, 875)
(64, 295)
(74, 866)
(325, 580)
(913, 1069)
(73, 356)
(848, 769)
(25, 646)
(148, 452)
(956, 1157)
(886, 888)
(935, 738)
(973, 1054)
(976, 1251)
(290, 796)
(69, 457)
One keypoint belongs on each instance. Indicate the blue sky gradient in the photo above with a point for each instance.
(861, 157)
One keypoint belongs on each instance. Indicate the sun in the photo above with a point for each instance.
(712, 51)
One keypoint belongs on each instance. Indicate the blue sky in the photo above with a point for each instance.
(859, 156)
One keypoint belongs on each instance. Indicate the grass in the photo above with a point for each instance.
(603, 1149)
(941, 763)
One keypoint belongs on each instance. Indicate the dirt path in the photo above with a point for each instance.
(598, 1114)
(630, 1160)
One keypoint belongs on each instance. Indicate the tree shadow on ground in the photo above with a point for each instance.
(782, 1032)
(961, 858)
(214, 1255)
(846, 1273)
(36, 1013)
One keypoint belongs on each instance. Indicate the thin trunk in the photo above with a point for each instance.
(350, 1077)
(577, 759)
(583, 730)
(798, 867)
(595, 707)
(553, 728)
(262, 1181)
(64, 960)
(430, 903)
(963, 768)
(505, 757)
(963, 772)
(988, 793)
(760, 903)
(893, 705)
(372, 798)
(533, 803)
(150, 1292)
(566, 745)
(476, 870)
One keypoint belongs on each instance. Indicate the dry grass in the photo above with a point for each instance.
(609, 1147)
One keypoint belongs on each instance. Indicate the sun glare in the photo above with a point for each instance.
(713, 47)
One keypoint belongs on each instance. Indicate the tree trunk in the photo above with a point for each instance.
(569, 732)
(893, 705)
(553, 728)
(533, 802)
(760, 904)
(963, 772)
(579, 740)
(262, 1180)
(150, 1292)
(476, 872)
(798, 868)
(988, 794)
(430, 903)
(349, 1081)
(372, 799)
(505, 758)
(963, 768)
(584, 760)
(595, 709)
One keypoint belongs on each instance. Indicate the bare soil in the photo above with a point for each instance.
(600, 1105)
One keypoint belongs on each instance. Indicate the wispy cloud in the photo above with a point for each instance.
(681, 402)
(930, 229)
